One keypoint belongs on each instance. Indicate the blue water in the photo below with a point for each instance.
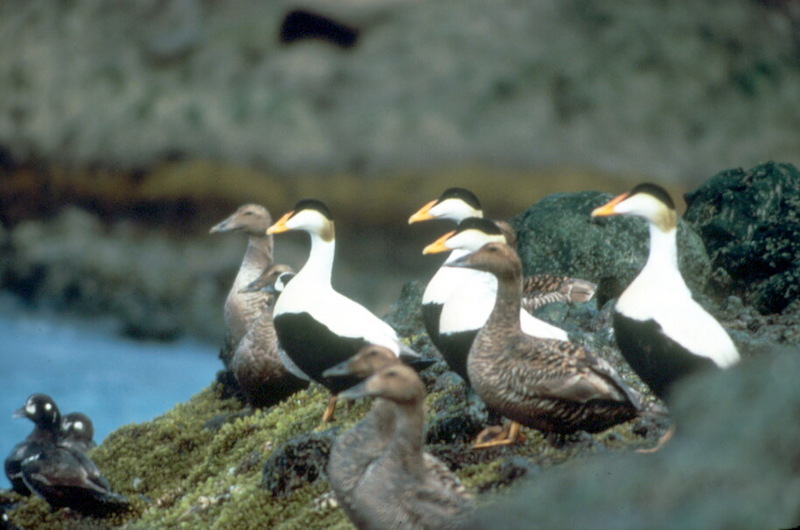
(86, 367)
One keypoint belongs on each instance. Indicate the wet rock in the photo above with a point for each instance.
(299, 462)
(734, 463)
(557, 235)
(750, 221)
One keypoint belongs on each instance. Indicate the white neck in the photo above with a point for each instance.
(663, 258)
(319, 266)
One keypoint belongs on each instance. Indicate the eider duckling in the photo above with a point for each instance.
(317, 326)
(554, 386)
(42, 410)
(467, 307)
(398, 490)
(257, 361)
(242, 308)
(77, 432)
(660, 330)
(357, 449)
(65, 477)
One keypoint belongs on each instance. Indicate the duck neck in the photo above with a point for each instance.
(662, 260)
(256, 258)
(409, 435)
(505, 313)
(319, 265)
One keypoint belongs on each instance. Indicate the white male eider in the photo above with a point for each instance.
(243, 308)
(317, 326)
(469, 304)
(661, 331)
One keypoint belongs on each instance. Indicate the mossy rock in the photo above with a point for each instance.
(750, 221)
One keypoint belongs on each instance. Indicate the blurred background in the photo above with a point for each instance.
(128, 129)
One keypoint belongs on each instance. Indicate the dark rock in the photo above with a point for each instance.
(557, 235)
(299, 462)
(750, 222)
(727, 467)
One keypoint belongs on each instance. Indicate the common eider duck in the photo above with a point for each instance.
(77, 432)
(65, 477)
(357, 449)
(317, 326)
(242, 308)
(257, 362)
(553, 386)
(42, 410)
(399, 490)
(467, 307)
(660, 330)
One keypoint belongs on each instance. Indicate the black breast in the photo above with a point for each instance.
(431, 312)
(657, 359)
(455, 350)
(314, 348)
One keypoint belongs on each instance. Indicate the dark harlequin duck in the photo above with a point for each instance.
(42, 410)
(77, 432)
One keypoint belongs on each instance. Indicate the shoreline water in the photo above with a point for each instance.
(85, 366)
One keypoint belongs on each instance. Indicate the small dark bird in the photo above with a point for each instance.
(399, 489)
(77, 432)
(660, 330)
(65, 477)
(42, 410)
(554, 386)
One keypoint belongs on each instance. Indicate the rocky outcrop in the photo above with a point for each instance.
(750, 221)
(652, 90)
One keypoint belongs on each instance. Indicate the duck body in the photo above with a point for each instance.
(242, 308)
(317, 326)
(399, 489)
(554, 386)
(257, 360)
(662, 332)
(355, 451)
(65, 477)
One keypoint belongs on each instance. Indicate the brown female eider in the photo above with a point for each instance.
(398, 489)
(257, 363)
(242, 308)
(554, 386)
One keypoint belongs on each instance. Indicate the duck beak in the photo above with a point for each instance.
(439, 245)
(19, 413)
(356, 392)
(609, 208)
(222, 226)
(462, 262)
(341, 369)
(280, 226)
(423, 214)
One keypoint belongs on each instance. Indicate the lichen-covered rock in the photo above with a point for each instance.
(557, 235)
(732, 464)
(750, 221)
(298, 462)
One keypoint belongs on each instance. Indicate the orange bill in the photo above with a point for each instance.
(423, 214)
(280, 226)
(608, 208)
(439, 245)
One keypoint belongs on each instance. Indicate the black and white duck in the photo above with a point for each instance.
(42, 410)
(661, 331)
(317, 326)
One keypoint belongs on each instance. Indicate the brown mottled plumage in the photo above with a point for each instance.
(554, 386)
(256, 361)
(399, 488)
(542, 289)
(242, 309)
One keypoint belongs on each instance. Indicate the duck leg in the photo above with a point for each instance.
(495, 436)
(327, 417)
